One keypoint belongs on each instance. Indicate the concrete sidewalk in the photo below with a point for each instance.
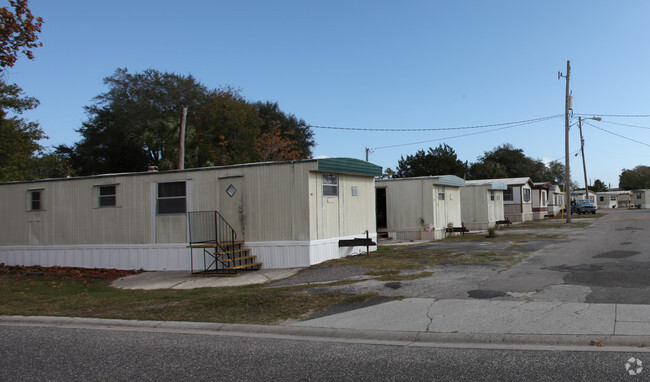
(428, 322)
(493, 317)
(185, 280)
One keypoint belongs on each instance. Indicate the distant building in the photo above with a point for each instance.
(482, 203)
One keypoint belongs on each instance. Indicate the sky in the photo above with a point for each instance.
(374, 65)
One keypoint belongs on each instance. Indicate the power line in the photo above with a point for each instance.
(517, 123)
(618, 135)
(625, 124)
(456, 136)
(614, 115)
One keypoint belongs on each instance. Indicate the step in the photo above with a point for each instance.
(246, 266)
(239, 258)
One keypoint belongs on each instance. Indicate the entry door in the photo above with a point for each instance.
(231, 204)
(380, 208)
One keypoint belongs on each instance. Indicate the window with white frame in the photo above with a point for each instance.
(107, 196)
(330, 185)
(612, 198)
(491, 195)
(171, 198)
(526, 194)
(441, 192)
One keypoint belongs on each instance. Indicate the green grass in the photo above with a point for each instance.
(54, 296)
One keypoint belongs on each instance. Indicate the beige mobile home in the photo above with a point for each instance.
(289, 214)
(640, 198)
(517, 199)
(612, 199)
(418, 208)
(481, 203)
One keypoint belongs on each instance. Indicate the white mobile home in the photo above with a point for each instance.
(482, 203)
(418, 208)
(517, 199)
(540, 200)
(289, 214)
(555, 200)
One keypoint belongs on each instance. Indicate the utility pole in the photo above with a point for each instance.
(181, 140)
(567, 170)
(582, 148)
(367, 153)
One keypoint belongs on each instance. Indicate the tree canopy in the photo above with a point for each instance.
(506, 161)
(136, 123)
(637, 178)
(18, 32)
(439, 161)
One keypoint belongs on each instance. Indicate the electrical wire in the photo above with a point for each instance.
(455, 136)
(613, 115)
(618, 135)
(625, 124)
(516, 123)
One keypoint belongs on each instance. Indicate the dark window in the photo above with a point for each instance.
(507, 194)
(107, 196)
(330, 185)
(35, 200)
(171, 198)
(491, 195)
(526, 195)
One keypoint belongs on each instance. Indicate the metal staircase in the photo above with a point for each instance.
(214, 248)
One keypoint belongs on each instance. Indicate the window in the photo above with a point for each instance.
(602, 198)
(441, 192)
(526, 194)
(638, 195)
(355, 191)
(491, 195)
(35, 198)
(507, 194)
(171, 198)
(330, 185)
(107, 196)
(612, 197)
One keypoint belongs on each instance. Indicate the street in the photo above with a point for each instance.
(63, 354)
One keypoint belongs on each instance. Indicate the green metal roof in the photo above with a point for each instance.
(349, 166)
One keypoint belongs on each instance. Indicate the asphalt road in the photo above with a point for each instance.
(607, 262)
(62, 354)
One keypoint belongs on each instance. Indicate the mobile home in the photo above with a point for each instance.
(482, 203)
(288, 214)
(418, 208)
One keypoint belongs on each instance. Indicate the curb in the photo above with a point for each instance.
(404, 338)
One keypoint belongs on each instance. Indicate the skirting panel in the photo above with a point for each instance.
(161, 257)
(153, 257)
(294, 254)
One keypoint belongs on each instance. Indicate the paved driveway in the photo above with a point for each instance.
(607, 262)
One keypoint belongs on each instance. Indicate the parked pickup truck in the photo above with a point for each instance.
(583, 206)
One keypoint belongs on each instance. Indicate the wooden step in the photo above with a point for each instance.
(239, 258)
(246, 266)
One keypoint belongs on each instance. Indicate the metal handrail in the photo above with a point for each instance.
(211, 227)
